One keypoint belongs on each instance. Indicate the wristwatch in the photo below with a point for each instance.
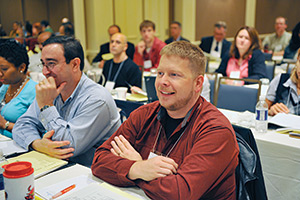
(44, 108)
(6, 125)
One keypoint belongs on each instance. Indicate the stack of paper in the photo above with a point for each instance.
(286, 120)
(41, 163)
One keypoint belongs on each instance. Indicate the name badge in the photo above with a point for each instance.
(110, 85)
(152, 155)
(235, 74)
(147, 64)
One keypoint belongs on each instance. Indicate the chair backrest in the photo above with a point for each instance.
(150, 88)
(248, 186)
(213, 79)
(127, 107)
(270, 70)
(237, 98)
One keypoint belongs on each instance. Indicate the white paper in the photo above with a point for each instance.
(79, 181)
(95, 192)
(286, 120)
(147, 64)
(10, 147)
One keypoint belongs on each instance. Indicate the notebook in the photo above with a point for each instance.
(150, 88)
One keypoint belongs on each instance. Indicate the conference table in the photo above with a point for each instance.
(280, 158)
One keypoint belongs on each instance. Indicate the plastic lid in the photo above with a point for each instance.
(17, 169)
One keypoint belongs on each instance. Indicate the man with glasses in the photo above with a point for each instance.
(216, 45)
(71, 114)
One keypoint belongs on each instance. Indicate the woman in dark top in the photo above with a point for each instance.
(245, 59)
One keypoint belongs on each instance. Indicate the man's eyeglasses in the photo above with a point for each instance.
(50, 65)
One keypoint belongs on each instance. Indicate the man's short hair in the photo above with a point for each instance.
(68, 28)
(186, 50)
(44, 23)
(176, 22)
(221, 24)
(147, 23)
(114, 25)
(285, 19)
(72, 48)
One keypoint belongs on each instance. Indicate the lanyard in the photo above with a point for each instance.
(117, 74)
(173, 144)
(183, 125)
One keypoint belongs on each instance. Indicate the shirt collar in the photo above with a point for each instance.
(162, 112)
(77, 89)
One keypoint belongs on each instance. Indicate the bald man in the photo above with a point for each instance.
(104, 48)
(120, 71)
(35, 59)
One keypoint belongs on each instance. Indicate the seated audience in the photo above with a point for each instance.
(35, 59)
(284, 92)
(175, 31)
(36, 29)
(245, 59)
(278, 41)
(46, 26)
(2, 31)
(28, 29)
(17, 30)
(66, 29)
(291, 50)
(17, 91)
(216, 45)
(104, 48)
(147, 51)
(120, 71)
(71, 115)
(180, 147)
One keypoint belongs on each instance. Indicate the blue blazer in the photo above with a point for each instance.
(206, 43)
(256, 66)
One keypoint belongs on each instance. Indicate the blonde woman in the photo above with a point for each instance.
(284, 92)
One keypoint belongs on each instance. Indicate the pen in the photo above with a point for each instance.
(137, 91)
(63, 191)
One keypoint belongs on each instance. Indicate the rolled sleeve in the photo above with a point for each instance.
(271, 94)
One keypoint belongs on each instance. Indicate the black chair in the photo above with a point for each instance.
(237, 98)
(150, 88)
(270, 70)
(127, 107)
(250, 183)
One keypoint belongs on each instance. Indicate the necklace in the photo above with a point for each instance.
(17, 91)
(2, 103)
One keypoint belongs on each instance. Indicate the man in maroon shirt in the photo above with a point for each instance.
(180, 147)
(147, 50)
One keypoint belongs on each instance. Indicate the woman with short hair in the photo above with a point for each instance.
(18, 90)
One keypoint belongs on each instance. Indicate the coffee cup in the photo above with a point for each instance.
(18, 180)
(121, 92)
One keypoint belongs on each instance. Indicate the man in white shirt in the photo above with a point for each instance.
(216, 45)
(278, 41)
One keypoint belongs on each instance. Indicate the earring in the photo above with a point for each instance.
(21, 71)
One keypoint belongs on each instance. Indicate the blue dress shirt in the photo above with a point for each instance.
(86, 119)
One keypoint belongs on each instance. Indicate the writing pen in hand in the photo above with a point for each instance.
(137, 91)
(63, 192)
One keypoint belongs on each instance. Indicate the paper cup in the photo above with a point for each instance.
(121, 92)
(18, 180)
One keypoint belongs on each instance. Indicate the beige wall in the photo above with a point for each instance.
(99, 15)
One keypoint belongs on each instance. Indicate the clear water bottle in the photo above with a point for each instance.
(261, 119)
